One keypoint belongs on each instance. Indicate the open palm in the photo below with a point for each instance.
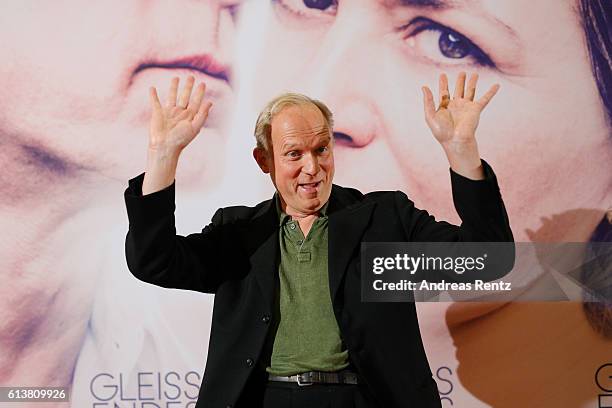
(176, 124)
(456, 119)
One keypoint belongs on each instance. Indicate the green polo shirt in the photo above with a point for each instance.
(308, 337)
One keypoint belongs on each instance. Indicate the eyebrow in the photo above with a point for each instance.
(431, 4)
(448, 4)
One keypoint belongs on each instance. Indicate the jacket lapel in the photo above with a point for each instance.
(262, 244)
(348, 219)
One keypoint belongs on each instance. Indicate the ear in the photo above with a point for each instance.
(261, 157)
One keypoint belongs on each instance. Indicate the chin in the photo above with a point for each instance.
(313, 204)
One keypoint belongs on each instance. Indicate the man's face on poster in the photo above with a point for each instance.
(78, 75)
(74, 120)
(75, 113)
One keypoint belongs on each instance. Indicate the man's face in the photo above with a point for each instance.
(301, 163)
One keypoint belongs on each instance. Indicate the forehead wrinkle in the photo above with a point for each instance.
(299, 126)
(298, 138)
(290, 131)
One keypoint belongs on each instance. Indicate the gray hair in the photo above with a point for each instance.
(263, 127)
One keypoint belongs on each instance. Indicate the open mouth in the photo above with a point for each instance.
(309, 187)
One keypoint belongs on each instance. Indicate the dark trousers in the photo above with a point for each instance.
(291, 395)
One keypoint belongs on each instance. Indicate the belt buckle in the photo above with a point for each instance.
(301, 382)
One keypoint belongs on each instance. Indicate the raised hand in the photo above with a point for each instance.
(173, 127)
(456, 119)
(176, 124)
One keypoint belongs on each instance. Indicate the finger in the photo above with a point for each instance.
(471, 87)
(200, 118)
(155, 104)
(428, 103)
(486, 98)
(443, 91)
(186, 94)
(195, 103)
(171, 101)
(459, 85)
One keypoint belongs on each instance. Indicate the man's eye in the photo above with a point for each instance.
(442, 45)
(309, 8)
(323, 149)
(293, 154)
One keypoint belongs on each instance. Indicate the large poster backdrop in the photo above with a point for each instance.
(73, 125)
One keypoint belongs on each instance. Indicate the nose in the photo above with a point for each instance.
(311, 164)
(355, 123)
(197, 29)
(336, 77)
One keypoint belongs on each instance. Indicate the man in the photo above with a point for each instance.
(286, 272)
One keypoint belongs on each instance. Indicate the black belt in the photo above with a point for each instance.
(322, 377)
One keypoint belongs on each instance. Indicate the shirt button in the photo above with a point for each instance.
(249, 362)
(292, 226)
(265, 318)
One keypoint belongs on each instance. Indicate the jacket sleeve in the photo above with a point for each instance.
(479, 205)
(156, 254)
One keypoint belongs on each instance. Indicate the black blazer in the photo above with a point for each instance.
(236, 258)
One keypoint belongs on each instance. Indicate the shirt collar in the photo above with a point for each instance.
(283, 217)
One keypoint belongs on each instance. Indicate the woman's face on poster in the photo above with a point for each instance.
(545, 133)
(76, 75)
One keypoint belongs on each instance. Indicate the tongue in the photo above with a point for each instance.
(309, 187)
